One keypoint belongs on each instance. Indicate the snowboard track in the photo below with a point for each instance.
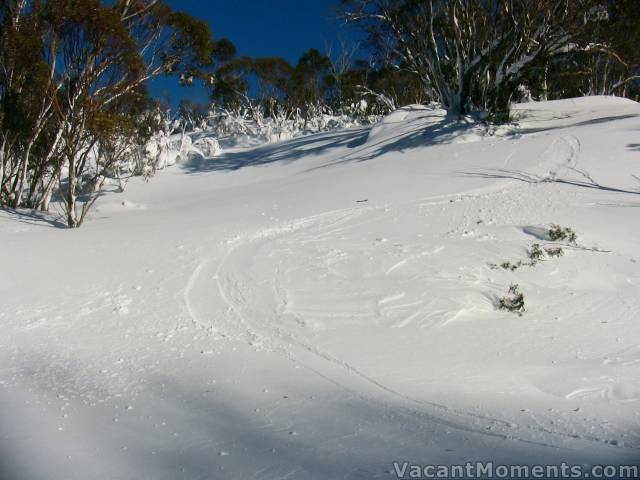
(272, 335)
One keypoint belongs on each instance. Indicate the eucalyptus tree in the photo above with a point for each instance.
(470, 54)
(67, 65)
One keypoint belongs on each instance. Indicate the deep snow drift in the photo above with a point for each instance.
(321, 307)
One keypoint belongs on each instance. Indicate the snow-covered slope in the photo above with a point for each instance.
(321, 307)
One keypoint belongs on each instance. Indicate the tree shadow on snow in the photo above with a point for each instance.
(525, 177)
(191, 431)
(441, 132)
(353, 145)
(593, 121)
(350, 145)
(285, 152)
(34, 217)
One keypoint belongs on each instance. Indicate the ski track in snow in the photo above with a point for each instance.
(271, 332)
(279, 339)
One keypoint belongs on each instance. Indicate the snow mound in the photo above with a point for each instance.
(398, 121)
(427, 125)
(583, 103)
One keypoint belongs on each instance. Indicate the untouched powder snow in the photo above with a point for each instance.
(321, 307)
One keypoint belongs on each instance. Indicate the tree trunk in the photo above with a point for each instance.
(22, 176)
(501, 105)
(47, 194)
(72, 214)
(2, 165)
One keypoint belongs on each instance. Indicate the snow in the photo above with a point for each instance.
(324, 306)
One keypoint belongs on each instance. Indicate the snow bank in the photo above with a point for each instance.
(583, 103)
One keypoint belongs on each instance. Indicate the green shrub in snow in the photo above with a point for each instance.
(513, 301)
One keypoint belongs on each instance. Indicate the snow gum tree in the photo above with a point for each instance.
(72, 74)
(472, 54)
(607, 62)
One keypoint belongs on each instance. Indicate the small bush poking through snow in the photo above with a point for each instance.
(515, 266)
(554, 252)
(558, 233)
(536, 254)
(511, 266)
(513, 301)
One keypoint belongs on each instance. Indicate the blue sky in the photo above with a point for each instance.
(262, 28)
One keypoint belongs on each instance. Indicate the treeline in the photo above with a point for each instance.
(468, 55)
(318, 83)
(74, 106)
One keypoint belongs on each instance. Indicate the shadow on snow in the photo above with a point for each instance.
(34, 217)
(531, 178)
(354, 145)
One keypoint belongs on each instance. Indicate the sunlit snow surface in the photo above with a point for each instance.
(321, 307)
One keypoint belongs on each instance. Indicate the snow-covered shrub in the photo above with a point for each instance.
(554, 252)
(558, 233)
(209, 147)
(250, 125)
(167, 141)
(513, 301)
(536, 254)
(507, 266)
(169, 144)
